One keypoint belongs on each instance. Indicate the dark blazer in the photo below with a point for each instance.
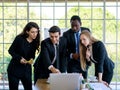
(73, 65)
(104, 64)
(46, 56)
(20, 48)
(71, 44)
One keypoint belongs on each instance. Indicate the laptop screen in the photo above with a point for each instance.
(64, 81)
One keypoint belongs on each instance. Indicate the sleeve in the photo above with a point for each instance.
(13, 49)
(68, 53)
(100, 57)
(63, 55)
(45, 56)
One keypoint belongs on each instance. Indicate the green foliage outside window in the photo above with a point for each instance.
(14, 19)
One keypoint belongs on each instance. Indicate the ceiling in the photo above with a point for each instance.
(59, 0)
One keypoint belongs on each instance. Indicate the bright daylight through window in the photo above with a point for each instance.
(103, 18)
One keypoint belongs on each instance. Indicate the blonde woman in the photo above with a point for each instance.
(93, 50)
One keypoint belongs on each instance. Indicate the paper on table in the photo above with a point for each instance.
(99, 86)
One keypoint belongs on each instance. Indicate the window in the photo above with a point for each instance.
(103, 18)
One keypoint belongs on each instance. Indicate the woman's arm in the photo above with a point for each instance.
(99, 77)
(99, 54)
(13, 50)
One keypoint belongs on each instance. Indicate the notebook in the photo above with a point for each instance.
(64, 81)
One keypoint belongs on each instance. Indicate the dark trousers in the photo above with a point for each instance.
(35, 77)
(14, 82)
(74, 67)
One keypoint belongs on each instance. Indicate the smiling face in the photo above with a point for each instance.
(54, 37)
(84, 40)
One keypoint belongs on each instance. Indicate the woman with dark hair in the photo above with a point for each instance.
(23, 51)
(93, 50)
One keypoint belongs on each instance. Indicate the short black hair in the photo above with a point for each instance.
(75, 17)
(54, 29)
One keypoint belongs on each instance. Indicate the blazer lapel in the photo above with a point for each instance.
(72, 38)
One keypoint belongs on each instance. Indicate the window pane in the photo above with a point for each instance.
(97, 29)
(46, 14)
(9, 30)
(102, 18)
(7, 56)
(1, 32)
(61, 23)
(1, 14)
(118, 32)
(97, 13)
(110, 31)
(12, 12)
(59, 12)
(1, 53)
(21, 13)
(110, 12)
(34, 12)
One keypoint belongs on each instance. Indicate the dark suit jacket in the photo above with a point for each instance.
(73, 65)
(104, 64)
(21, 48)
(71, 44)
(46, 56)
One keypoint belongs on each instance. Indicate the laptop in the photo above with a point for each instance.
(64, 81)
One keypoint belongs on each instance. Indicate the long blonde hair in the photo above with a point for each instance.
(83, 48)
